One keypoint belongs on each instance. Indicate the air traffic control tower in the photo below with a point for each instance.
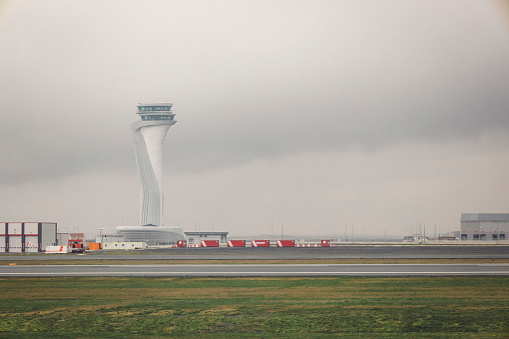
(149, 135)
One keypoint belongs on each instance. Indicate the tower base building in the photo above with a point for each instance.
(152, 235)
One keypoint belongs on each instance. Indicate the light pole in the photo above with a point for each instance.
(497, 233)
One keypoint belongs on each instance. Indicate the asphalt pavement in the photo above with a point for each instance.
(296, 253)
(250, 270)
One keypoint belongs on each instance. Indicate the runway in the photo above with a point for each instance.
(273, 253)
(281, 270)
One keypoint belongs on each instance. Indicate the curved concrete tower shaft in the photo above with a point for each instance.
(149, 134)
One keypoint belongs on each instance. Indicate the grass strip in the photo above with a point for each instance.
(416, 307)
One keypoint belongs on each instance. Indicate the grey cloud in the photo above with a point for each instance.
(248, 80)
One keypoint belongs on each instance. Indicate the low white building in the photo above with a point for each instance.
(109, 238)
(194, 238)
(125, 245)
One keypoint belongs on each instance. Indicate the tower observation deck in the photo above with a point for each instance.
(149, 134)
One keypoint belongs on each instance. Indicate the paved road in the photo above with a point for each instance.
(254, 270)
(248, 253)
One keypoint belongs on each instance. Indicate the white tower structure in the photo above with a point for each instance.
(149, 135)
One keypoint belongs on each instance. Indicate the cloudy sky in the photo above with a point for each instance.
(309, 114)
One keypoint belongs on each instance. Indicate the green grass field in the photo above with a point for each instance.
(255, 307)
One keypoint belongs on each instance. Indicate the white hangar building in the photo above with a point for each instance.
(484, 226)
(27, 237)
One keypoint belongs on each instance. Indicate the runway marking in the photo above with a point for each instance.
(214, 266)
(264, 273)
(273, 270)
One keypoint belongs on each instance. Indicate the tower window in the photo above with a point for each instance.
(157, 117)
(154, 108)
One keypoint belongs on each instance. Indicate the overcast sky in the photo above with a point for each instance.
(309, 114)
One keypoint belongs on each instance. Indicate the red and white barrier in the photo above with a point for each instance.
(285, 243)
(209, 243)
(57, 249)
(260, 243)
(236, 243)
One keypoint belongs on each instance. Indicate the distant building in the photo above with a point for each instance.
(194, 238)
(484, 226)
(27, 237)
